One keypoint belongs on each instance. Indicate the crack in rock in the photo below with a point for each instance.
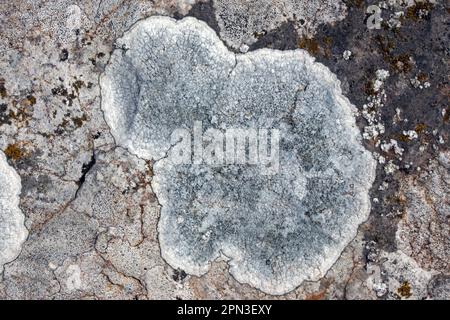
(278, 228)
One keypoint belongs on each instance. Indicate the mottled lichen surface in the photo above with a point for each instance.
(276, 230)
(12, 229)
(90, 205)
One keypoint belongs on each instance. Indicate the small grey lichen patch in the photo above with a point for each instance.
(275, 230)
(12, 229)
(243, 22)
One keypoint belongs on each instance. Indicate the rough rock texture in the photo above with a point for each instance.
(424, 230)
(173, 74)
(53, 134)
(242, 23)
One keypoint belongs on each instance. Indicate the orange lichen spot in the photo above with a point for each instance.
(404, 290)
(403, 138)
(415, 12)
(78, 121)
(3, 92)
(401, 63)
(310, 45)
(14, 152)
(28, 101)
(420, 128)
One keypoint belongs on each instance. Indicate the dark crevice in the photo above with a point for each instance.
(84, 171)
(282, 38)
(204, 11)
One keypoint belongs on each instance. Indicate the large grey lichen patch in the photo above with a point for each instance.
(12, 229)
(275, 230)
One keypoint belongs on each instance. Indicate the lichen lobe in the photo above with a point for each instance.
(12, 230)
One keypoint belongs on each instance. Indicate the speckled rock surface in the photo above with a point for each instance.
(91, 207)
(242, 23)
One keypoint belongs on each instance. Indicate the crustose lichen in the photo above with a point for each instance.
(275, 230)
(12, 230)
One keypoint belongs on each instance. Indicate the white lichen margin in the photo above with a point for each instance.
(12, 229)
(274, 231)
